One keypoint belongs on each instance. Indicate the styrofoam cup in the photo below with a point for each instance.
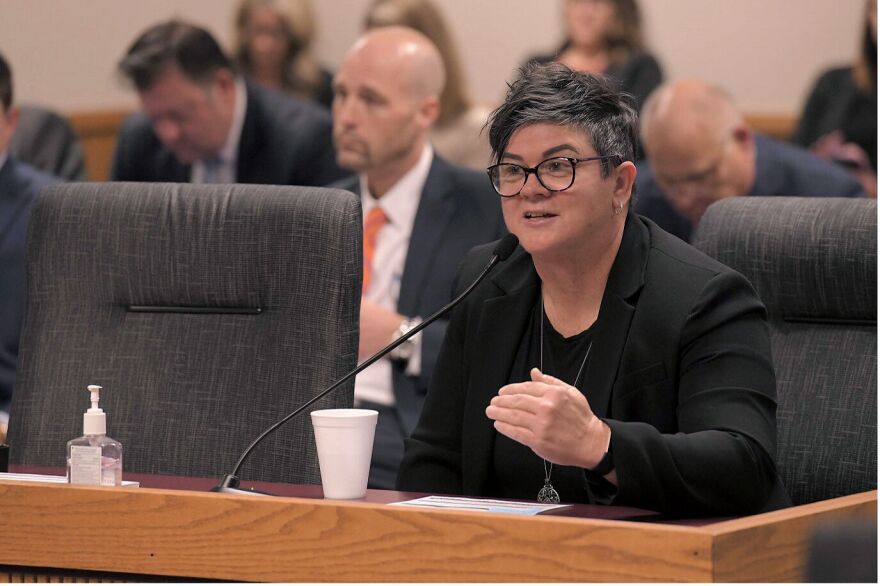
(344, 438)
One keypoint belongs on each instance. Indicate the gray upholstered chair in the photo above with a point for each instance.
(249, 302)
(813, 261)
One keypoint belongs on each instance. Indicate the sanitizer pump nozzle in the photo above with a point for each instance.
(95, 420)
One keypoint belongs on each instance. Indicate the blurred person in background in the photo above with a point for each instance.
(839, 121)
(458, 133)
(202, 123)
(273, 41)
(46, 140)
(605, 37)
(19, 185)
(700, 150)
(421, 216)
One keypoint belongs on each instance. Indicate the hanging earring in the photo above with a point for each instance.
(617, 210)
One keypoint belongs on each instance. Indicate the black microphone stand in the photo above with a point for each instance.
(231, 482)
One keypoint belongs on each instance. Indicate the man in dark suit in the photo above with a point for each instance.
(700, 150)
(203, 124)
(19, 185)
(421, 215)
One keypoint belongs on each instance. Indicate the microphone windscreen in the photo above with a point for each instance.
(506, 247)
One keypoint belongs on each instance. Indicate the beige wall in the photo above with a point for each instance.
(766, 52)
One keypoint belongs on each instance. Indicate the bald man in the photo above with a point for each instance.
(699, 150)
(421, 215)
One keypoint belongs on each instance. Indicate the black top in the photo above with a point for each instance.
(517, 471)
(837, 103)
(680, 370)
(638, 75)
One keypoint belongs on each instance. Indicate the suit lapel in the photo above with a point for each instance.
(625, 281)
(503, 320)
(429, 227)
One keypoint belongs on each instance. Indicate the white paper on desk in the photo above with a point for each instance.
(50, 479)
(478, 504)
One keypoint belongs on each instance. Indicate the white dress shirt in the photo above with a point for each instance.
(400, 204)
(227, 171)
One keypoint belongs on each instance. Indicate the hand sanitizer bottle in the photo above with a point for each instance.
(94, 458)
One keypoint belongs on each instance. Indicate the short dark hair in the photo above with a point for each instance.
(556, 94)
(187, 46)
(5, 83)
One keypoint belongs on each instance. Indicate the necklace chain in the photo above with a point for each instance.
(548, 494)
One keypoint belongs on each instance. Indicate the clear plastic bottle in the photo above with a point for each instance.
(94, 458)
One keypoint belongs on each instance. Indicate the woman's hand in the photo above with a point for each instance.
(553, 418)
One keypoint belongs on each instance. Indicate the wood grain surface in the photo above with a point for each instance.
(773, 547)
(98, 131)
(176, 533)
(227, 537)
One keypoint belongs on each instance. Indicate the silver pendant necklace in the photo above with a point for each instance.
(548, 494)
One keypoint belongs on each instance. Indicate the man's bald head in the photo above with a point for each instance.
(387, 97)
(698, 144)
(689, 110)
(411, 54)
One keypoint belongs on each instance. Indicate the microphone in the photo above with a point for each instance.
(502, 251)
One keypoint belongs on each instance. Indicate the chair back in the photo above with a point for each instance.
(813, 262)
(207, 313)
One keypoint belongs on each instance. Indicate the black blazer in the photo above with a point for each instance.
(457, 211)
(284, 141)
(680, 371)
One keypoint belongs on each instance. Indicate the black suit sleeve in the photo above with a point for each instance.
(432, 459)
(721, 461)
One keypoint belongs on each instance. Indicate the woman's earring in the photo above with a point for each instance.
(617, 210)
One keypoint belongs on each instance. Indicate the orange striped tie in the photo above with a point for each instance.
(375, 220)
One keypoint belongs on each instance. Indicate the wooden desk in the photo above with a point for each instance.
(186, 534)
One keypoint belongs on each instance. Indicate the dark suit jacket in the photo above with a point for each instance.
(19, 185)
(458, 210)
(680, 371)
(45, 140)
(284, 141)
(781, 169)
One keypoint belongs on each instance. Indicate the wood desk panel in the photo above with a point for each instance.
(187, 534)
(773, 547)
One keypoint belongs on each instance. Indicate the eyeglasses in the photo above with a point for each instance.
(556, 174)
(706, 178)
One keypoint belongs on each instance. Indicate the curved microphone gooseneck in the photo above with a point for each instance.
(503, 250)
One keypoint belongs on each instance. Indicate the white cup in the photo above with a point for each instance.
(344, 438)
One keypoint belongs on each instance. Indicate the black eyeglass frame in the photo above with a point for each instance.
(573, 161)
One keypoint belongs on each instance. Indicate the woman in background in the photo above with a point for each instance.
(605, 37)
(839, 121)
(457, 135)
(272, 47)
